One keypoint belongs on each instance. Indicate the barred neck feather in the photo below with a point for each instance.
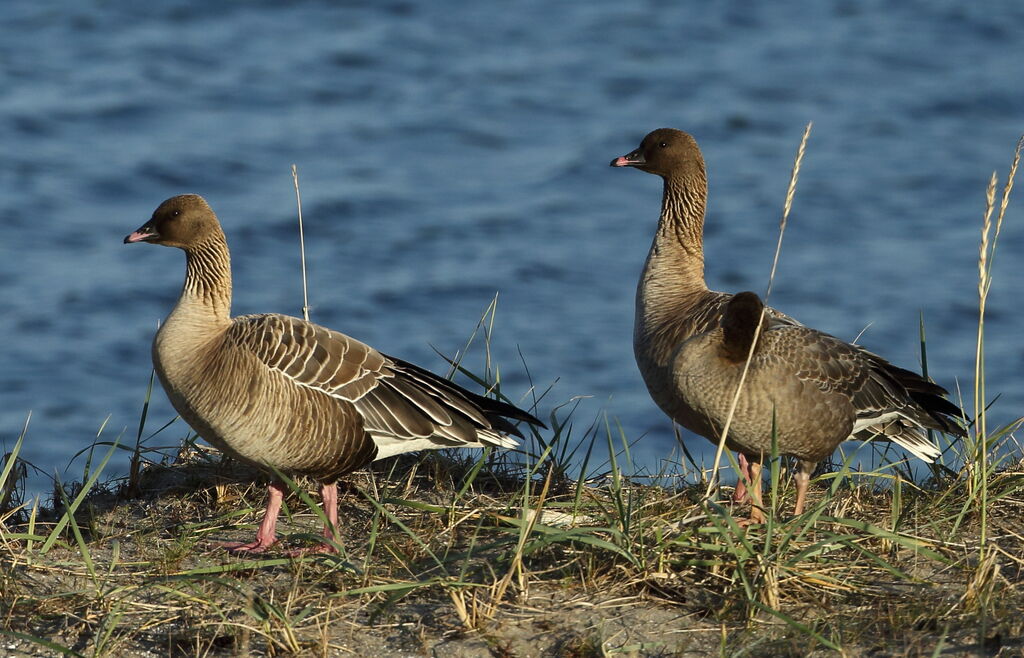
(672, 288)
(681, 225)
(208, 276)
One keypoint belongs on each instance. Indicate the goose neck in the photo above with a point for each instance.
(675, 264)
(208, 278)
(683, 203)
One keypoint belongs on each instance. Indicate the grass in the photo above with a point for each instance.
(562, 548)
(503, 549)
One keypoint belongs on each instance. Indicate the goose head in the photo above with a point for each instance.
(184, 221)
(666, 152)
(743, 310)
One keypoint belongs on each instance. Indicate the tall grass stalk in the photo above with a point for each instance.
(986, 257)
(978, 593)
(980, 481)
(302, 245)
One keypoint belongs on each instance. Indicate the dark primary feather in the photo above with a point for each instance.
(495, 411)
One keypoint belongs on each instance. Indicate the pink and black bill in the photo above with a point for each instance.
(145, 233)
(632, 159)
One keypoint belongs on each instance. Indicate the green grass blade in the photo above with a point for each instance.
(55, 533)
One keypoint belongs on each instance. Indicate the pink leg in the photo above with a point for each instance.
(329, 496)
(266, 535)
(803, 480)
(756, 504)
(739, 495)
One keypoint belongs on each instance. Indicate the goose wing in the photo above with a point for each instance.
(395, 399)
(888, 401)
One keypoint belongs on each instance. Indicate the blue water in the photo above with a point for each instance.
(448, 152)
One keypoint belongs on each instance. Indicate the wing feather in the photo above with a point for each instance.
(888, 401)
(394, 398)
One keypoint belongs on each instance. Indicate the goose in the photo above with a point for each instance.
(811, 389)
(673, 301)
(277, 391)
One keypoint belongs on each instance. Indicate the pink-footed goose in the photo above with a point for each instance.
(673, 302)
(273, 390)
(812, 389)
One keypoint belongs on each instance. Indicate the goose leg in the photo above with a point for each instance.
(266, 535)
(329, 497)
(739, 494)
(803, 480)
(756, 502)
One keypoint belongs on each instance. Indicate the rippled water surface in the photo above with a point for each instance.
(448, 152)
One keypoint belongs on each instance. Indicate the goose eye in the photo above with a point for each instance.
(663, 145)
(175, 213)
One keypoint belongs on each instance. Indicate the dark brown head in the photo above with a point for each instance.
(739, 321)
(666, 152)
(183, 221)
